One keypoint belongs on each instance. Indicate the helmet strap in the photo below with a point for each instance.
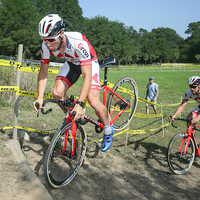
(61, 41)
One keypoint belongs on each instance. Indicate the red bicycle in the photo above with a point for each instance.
(182, 149)
(67, 149)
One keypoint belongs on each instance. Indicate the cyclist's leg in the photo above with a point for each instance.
(100, 110)
(66, 77)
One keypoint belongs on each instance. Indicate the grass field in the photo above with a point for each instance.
(172, 85)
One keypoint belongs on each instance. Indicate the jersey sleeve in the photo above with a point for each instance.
(187, 95)
(83, 52)
(45, 54)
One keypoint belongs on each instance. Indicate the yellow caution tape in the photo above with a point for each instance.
(148, 116)
(9, 63)
(24, 128)
(134, 132)
(9, 88)
(34, 94)
(37, 69)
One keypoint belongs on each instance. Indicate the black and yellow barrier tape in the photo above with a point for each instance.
(37, 69)
(9, 63)
(135, 132)
(21, 127)
(9, 88)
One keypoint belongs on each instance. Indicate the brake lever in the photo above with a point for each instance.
(37, 106)
(172, 122)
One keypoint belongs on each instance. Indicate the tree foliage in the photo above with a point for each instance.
(19, 21)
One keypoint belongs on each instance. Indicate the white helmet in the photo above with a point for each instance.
(194, 80)
(50, 25)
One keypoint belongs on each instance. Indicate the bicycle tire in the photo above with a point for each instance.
(177, 162)
(59, 168)
(126, 88)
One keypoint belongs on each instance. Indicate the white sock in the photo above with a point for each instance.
(107, 129)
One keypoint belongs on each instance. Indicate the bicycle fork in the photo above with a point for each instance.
(72, 151)
(189, 136)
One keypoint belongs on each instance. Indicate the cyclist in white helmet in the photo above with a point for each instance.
(193, 93)
(80, 59)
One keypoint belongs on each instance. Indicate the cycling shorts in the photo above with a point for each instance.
(71, 72)
(196, 111)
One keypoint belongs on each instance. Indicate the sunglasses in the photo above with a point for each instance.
(193, 86)
(50, 40)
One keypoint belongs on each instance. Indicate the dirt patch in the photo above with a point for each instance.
(141, 174)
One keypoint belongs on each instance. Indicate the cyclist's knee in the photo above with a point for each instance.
(94, 104)
(58, 94)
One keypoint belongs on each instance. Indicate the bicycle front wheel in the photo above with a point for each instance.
(178, 161)
(126, 88)
(59, 167)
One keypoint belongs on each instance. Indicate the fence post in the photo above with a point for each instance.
(19, 59)
(180, 113)
(162, 120)
(125, 149)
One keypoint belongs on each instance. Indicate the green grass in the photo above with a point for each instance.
(172, 85)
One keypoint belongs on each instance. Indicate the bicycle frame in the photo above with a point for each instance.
(93, 121)
(107, 89)
(87, 118)
(190, 134)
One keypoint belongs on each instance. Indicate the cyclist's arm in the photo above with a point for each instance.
(179, 109)
(42, 80)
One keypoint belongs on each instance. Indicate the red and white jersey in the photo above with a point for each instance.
(189, 95)
(78, 50)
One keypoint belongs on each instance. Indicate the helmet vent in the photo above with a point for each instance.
(49, 25)
(43, 27)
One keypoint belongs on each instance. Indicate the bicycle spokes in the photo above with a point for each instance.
(180, 155)
(122, 102)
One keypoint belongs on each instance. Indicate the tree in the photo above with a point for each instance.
(197, 56)
(193, 28)
(109, 38)
(17, 25)
(190, 48)
(135, 42)
(69, 10)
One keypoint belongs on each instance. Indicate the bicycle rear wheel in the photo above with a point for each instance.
(126, 88)
(177, 161)
(59, 167)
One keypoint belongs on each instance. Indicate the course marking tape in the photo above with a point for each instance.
(37, 69)
(34, 94)
(136, 132)
(148, 116)
(9, 63)
(9, 88)
(21, 127)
